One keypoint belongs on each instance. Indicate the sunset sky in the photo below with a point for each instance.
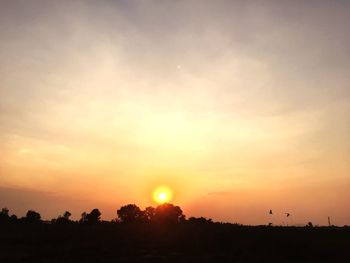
(238, 107)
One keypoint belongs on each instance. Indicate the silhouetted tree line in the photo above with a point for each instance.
(166, 213)
(162, 234)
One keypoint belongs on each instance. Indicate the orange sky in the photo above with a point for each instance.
(238, 107)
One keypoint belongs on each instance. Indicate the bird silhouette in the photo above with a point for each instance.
(287, 214)
(270, 212)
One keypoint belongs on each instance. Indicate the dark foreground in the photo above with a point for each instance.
(178, 243)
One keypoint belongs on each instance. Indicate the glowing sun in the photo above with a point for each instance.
(162, 194)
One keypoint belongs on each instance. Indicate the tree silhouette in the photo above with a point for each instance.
(83, 218)
(94, 216)
(167, 238)
(130, 213)
(4, 215)
(149, 213)
(32, 217)
(13, 218)
(4, 211)
(66, 215)
(168, 214)
(62, 219)
(200, 220)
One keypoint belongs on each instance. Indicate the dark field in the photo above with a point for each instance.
(184, 242)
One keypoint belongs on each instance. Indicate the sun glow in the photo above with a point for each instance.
(162, 195)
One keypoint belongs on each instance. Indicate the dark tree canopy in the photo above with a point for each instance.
(83, 217)
(62, 219)
(94, 216)
(66, 215)
(130, 213)
(33, 217)
(200, 220)
(168, 214)
(4, 211)
(13, 218)
(149, 213)
(4, 215)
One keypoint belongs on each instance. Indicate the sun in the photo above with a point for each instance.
(162, 194)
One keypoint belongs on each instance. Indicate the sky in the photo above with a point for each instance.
(238, 107)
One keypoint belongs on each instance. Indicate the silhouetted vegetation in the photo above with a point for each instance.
(64, 219)
(4, 215)
(130, 213)
(309, 224)
(168, 214)
(163, 234)
(33, 217)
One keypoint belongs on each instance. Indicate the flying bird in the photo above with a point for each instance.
(287, 214)
(270, 212)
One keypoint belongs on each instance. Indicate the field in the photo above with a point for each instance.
(184, 242)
